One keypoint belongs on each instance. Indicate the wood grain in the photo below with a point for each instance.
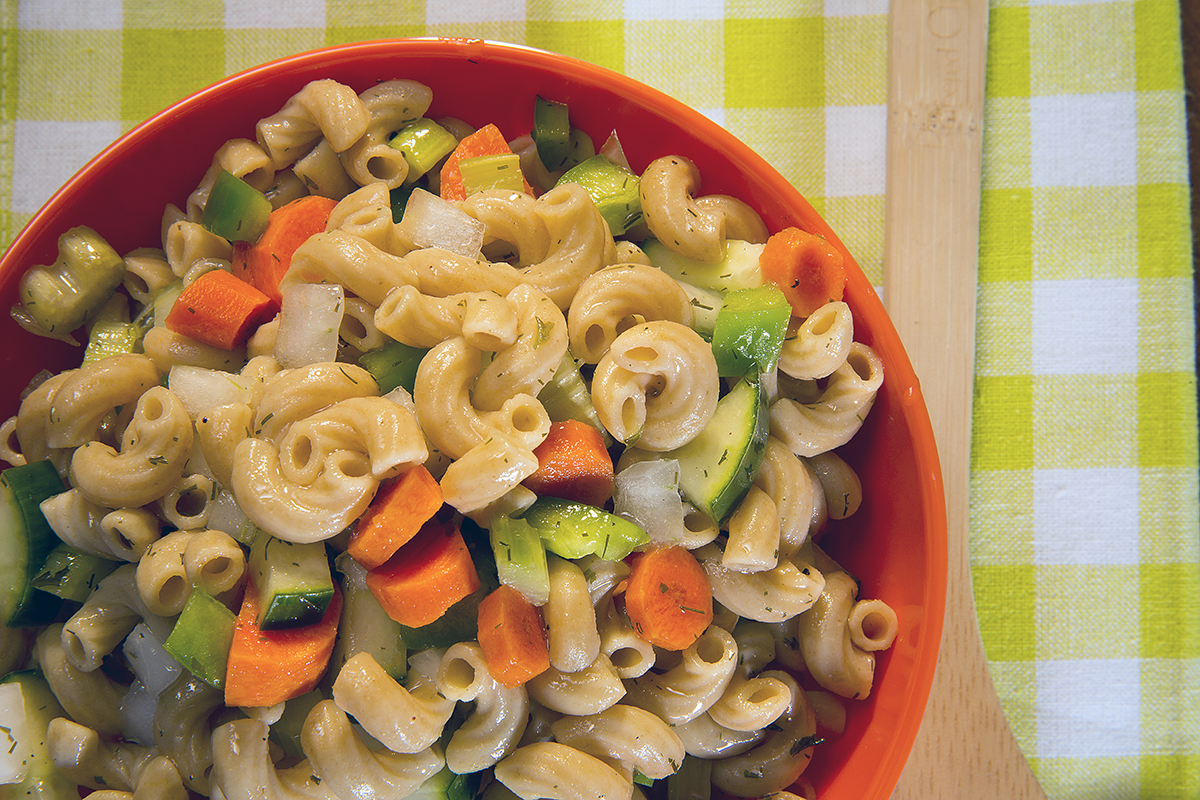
(937, 56)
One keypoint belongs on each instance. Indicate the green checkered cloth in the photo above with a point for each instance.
(1084, 467)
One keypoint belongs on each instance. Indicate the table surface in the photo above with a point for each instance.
(1084, 508)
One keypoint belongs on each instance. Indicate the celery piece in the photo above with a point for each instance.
(612, 188)
(235, 210)
(394, 364)
(112, 332)
(750, 329)
(25, 541)
(201, 637)
(71, 573)
(57, 298)
(521, 558)
(551, 132)
(574, 530)
(499, 171)
(580, 149)
(163, 301)
(423, 143)
(566, 396)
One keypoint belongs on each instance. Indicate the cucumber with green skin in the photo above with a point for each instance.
(26, 707)
(737, 269)
(718, 466)
(71, 573)
(25, 541)
(294, 581)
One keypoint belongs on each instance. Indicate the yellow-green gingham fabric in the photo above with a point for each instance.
(1084, 467)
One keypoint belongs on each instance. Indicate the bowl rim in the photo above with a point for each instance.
(914, 700)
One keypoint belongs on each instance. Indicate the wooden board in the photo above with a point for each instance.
(937, 56)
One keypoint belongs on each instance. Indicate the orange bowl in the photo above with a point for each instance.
(896, 543)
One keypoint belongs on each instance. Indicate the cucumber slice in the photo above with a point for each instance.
(26, 770)
(25, 541)
(573, 530)
(738, 269)
(566, 396)
(201, 637)
(521, 558)
(612, 187)
(446, 785)
(72, 574)
(717, 467)
(285, 732)
(365, 626)
(294, 581)
(706, 305)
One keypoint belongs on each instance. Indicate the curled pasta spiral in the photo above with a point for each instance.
(615, 299)
(657, 387)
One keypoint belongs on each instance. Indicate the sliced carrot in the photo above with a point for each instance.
(269, 667)
(264, 262)
(400, 508)
(573, 464)
(487, 141)
(668, 598)
(807, 268)
(512, 637)
(426, 576)
(218, 309)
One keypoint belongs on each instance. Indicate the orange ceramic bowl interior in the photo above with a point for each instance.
(896, 543)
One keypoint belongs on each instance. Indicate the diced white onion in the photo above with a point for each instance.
(226, 515)
(201, 390)
(309, 320)
(149, 660)
(402, 398)
(647, 493)
(430, 221)
(137, 714)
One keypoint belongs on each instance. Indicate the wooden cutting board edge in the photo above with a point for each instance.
(937, 61)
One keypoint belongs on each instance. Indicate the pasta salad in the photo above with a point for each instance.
(419, 461)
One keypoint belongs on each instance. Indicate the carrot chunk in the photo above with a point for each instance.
(426, 576)
(668, 598)
(264, 262)
(398, 511)
(573, 464)
(807, 268)
(512, 637)
(218, 309)
(269, 667)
